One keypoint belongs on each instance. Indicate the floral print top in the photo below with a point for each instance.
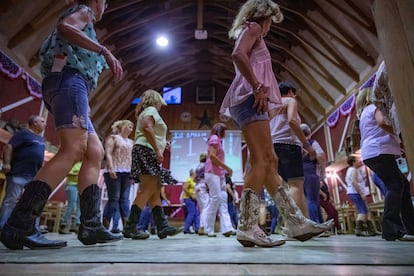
(88, 63)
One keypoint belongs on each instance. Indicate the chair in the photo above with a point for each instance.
(53, 213)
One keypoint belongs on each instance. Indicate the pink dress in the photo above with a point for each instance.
(240, 89)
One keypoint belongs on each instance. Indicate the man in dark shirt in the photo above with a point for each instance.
(22, 158)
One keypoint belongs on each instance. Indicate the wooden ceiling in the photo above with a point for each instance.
(327, 48)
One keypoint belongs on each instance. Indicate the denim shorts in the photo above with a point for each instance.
(243, 113)
(290, 160)
(65, 95)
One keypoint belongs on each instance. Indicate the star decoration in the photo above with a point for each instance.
(205, 120)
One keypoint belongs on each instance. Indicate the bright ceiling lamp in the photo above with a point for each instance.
(162, 41)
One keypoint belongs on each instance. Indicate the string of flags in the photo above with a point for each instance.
(13, 71)
(346, 107)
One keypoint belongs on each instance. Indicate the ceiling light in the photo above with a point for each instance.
(162, 41)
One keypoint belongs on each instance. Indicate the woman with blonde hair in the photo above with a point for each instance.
(118, 151)
(147, 158)
(252, 93)
(380, 145)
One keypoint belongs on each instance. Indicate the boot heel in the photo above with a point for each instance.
(13, 245)
(246, 243)
(307, 236)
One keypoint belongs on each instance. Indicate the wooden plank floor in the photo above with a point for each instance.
(196, 255)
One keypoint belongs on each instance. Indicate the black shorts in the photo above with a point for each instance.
(290, 160)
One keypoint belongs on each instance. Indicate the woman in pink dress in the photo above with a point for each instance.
(252, 93)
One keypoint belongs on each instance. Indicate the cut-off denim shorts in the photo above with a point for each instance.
(243, 113)
(65, 95)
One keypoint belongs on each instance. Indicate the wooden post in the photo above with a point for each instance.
(328, 139)
(394, 20)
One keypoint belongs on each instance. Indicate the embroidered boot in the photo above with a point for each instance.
(249, 233)
(91, 230)
(130, 227)
(20, 229)
(296, 224)
(163, 229)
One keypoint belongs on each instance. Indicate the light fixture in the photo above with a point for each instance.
(162, 41)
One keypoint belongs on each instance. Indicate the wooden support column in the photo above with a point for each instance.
(328, 139)
(394, 20)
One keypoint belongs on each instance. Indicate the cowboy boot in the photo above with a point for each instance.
(297, 225)
(20, 229)
(64, 229)
(163, 229)
(371, 229)
(359, 228)
(91, 230)
(106, 222)
(130, 226)
(249, 233)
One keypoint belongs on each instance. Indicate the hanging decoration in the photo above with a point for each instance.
(333, 118)
(14, 71)
(205, 120)
(185, 117)
(347, 106)
(33, 86)
(9, 67)
(368, 84)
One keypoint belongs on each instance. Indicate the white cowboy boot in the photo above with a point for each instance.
(296, 224)
(249, 233)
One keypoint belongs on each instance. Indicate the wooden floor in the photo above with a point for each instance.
(200, 255)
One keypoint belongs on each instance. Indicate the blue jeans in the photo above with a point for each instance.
(398, 216)
(379, 183)
(360, 204)
(311, 186)
(192, 217)
(14, 188)
(233, 214)
(118, 197)
(72, 197)
(65, 95)
(146, 218)
(274, 213)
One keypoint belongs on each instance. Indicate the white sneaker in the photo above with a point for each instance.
(256, 236)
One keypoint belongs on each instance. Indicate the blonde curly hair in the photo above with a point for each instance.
(149, 98)
(255, 11)
(363, 99)
(118, 125)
